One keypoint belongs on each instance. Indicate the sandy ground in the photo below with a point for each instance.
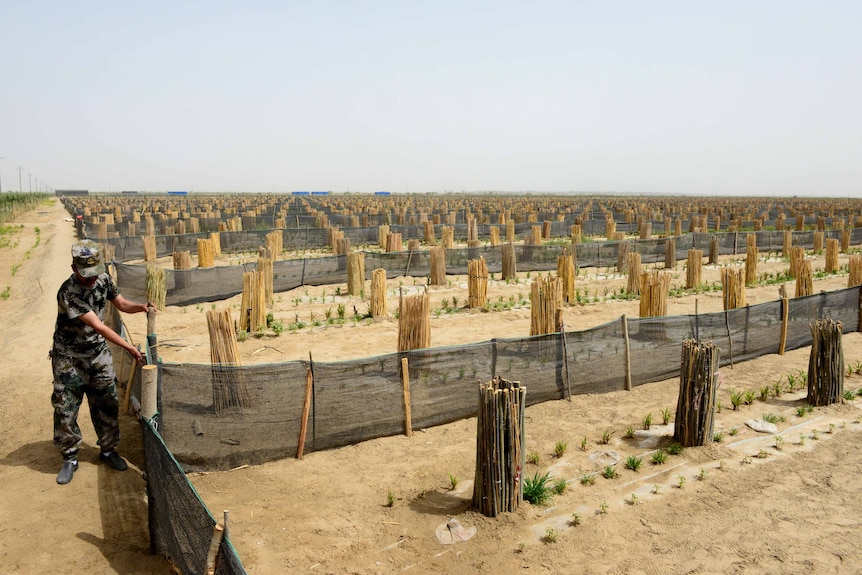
(742, 505)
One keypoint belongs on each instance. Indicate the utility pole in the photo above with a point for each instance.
(19, 178)
(1, 183)
(30, 178)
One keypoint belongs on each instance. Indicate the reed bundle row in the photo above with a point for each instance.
(229, 388)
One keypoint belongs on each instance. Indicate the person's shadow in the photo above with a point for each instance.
(40, 456)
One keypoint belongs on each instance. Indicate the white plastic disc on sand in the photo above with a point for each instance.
(452, 532)
(762, 426)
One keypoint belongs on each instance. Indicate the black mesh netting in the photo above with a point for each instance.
(199, 285)
(181, 526)
(361, 399)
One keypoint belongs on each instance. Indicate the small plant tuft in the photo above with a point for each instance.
(536, 489)
(633, 462)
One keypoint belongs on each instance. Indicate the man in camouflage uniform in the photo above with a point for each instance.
(82, 362)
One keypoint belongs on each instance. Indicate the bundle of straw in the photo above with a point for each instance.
(206, 255)
(655, 286)
(494, 235)
(826, 363)
(229, 389)
(610, 227)
(438, 266)
(633, 281)
(215, 238)
(182, 263)
(500, 452)
(732, 288)
(393, 242)
(576, 233)
(845, 241)
(378, 293)
(428, 233)
(787, 243)
(694, 268)
(382, 236)
(477, 283)
(252, 316)
(832, 246)
(804, 281)
(670, 253)
(414, 322)
(265, 277)
(566, 273)
(155, 286)
(695, 407)
(818, 242)
(855, 277)
(750, 259)
(356, 273)
(645, 230)
(509, 267)
(712, 258)
(150, 248)
(275, 243)
(546, 299)
(447, 235)
(510, 230)
(797, 255)
(623, 250)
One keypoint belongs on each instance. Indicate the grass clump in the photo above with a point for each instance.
(560, 449)
(659, 457)
(633, 462)
(537, 489)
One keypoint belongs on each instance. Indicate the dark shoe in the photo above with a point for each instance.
(114, 460)
(67, 472)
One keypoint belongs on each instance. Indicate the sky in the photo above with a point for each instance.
(643, 97)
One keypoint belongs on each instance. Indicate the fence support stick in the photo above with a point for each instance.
(785, 317)
(306, 406)
(149, 390)
(628, 353)
(129, 382)
(566, 362)
(226, 519)
(212, 554)
(405, 382)
(729, 339)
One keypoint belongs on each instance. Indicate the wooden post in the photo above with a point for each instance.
(151, 319)
(149, 390)
(226, 523)
(306, 407)
(128, 392)
(215, 543)
(566, 361)
(405, 382)
(785, 318)
(628, 353)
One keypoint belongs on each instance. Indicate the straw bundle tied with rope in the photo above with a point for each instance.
(229, 388)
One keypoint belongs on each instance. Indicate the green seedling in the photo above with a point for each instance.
(453, 482)
(681, 481)
(736, 399)
(588, 479)
(551, 535)
(560, 485)
(609, 472)
(647, 421)
(603, 508)
(674, 449)
(575, 520)
(536, 489)
(656, 488)
(633, 462)
(533, 458)
(733, 431)
(606, 437)
(584, 444)
(560, 449)
(718, 437)
(634, 500)
(390, 498)
(630, 432)
(702, 475)
(665, 416)
(779, 443)
(659, 457)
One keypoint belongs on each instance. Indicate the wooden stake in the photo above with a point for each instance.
(306, 407)
(128, 393)
(785, 318)
(149, 391)
(627, 353)
(405, 382)
(215, 543)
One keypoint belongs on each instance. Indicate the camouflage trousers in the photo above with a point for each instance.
(73, 378)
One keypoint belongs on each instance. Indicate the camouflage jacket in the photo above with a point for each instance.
(72, 337)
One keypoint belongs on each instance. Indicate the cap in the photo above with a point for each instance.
(86, 257)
